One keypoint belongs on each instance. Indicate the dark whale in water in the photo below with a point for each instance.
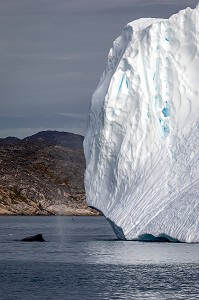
(34, 238)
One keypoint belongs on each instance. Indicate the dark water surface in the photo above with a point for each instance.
(83, 260)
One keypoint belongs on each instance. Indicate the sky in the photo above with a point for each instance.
(52, 55)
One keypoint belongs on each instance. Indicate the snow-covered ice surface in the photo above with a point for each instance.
(142, 140)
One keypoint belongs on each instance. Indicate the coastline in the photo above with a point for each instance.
(67, 212)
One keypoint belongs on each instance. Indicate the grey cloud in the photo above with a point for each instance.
(36, 122)
(52, 54)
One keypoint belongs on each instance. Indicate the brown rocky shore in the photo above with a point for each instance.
(43, 175)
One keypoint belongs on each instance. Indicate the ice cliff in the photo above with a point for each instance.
(142, 140)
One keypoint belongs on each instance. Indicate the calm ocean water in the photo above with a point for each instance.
(82, 259)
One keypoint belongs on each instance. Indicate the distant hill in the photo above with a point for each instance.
(9, 140)
(63, 139)
(43, 174)
(47, 138)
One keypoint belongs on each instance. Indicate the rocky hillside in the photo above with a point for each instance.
(43, 174)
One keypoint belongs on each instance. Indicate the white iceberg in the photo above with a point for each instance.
(142, 140)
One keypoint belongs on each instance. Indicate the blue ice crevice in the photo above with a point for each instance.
(120, 87)
(127, 83)
(121, 83)
(164, 128)
(165, 110)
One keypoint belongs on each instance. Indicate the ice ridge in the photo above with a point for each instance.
(142, 140)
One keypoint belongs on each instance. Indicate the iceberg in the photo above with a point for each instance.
(142, 139)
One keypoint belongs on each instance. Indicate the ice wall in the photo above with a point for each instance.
(142, 140)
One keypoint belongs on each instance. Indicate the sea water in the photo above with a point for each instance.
(82, 259)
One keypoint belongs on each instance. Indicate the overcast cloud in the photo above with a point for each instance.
(52, 54)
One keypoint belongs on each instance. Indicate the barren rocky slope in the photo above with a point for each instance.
(43, 174)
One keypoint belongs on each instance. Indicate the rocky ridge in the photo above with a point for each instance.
(43, 174)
